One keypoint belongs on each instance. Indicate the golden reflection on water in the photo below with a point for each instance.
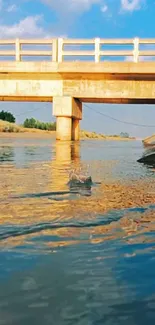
(49, 176)
(130, 224)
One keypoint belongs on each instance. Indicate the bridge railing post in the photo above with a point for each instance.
(55, 50)
(60, 49)
(17, 49)
(97, 49)
(136, 49)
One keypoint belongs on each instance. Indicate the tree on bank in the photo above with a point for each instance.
(7, 116)
(124, 135)
(35, 124)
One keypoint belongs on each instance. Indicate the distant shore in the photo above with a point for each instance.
(10, 129)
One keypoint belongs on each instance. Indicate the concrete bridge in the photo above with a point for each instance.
(69, 72)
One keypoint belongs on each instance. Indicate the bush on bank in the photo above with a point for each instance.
(35, 124)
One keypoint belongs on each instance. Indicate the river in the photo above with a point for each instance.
(82, 256)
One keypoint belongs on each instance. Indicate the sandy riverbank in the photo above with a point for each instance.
(25, 135)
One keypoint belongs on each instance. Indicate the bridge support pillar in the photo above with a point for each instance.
(64, 128)
(75, 129)
(68, 112)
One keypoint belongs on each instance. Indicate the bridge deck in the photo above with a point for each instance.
(119, 69)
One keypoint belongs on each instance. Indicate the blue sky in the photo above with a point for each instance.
(82, 19)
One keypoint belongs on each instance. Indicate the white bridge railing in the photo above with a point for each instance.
(94, 50)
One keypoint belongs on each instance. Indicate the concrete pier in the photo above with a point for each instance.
(75, 129)
(68, 112)
(64, 128)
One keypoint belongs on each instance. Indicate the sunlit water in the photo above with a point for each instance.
(82, 256)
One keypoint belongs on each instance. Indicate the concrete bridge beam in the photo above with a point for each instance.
(68, 112)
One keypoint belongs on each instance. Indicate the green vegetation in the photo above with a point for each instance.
(121, 135)
(124, 135)
(94, 135)
(7, 116)
(34, 124)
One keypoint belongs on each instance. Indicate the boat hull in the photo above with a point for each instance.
(148, 158)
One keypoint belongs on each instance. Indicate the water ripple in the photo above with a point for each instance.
(73, 261)
(100, 221)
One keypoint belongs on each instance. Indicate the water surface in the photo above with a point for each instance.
(76, 257)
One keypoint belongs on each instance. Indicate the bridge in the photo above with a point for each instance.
(69, 72)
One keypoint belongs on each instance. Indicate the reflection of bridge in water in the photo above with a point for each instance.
(67, 158)
(40, 166)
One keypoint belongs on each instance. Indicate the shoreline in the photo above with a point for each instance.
(52, 134)
(11, 130)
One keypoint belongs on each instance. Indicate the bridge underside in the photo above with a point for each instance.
(119, 100)
(139, 101)
(68, 84)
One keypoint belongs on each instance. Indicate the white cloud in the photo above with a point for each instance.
(141, 58)
(74, 6)
(80, 6)
(104, 8)
(146, 47)
(131, 5)
(29, 27)
(12, 8)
